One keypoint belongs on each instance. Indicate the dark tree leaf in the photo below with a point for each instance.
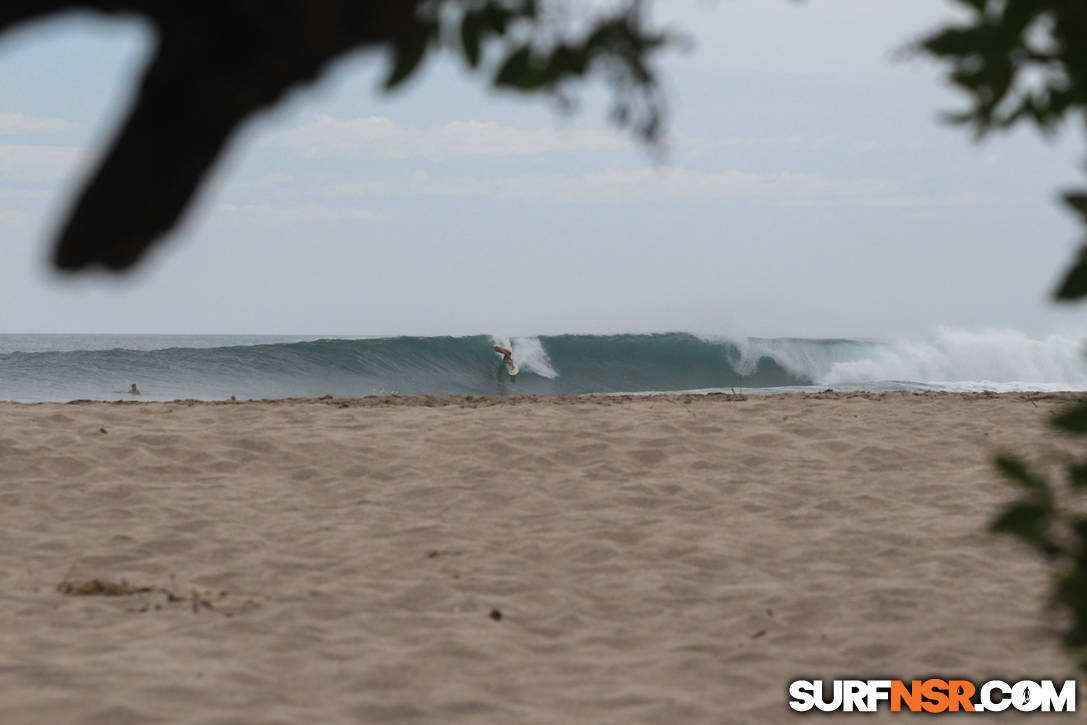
(1079, 526)
(515, 69)
(1078, 201)
(1077, 476)
(1071, 591)
(1074, 420)
(954, 41)
(470, 29)
(409, 53)
(1017, 472)
(1074, 284)
(1028, 521)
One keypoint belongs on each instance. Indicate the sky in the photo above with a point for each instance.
(807, 188)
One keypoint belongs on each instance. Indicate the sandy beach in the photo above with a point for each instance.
(555, 560)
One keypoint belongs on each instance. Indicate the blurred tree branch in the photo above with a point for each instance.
(218, 63)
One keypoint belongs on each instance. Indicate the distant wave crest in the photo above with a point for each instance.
(561, 364)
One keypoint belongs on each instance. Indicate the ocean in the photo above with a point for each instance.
(39, 368)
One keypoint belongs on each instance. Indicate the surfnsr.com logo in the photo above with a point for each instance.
(932, 696)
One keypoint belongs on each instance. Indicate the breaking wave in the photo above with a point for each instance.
(560, 364)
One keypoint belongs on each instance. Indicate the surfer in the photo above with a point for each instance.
(134, 390)
(507, 356)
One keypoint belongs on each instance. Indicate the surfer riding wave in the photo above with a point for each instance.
(507, 358)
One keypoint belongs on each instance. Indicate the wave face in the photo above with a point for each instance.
(214, 368)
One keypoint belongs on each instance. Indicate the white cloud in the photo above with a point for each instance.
(21, 123)
(13, 217)
(39, 163)
(627, 185)
(688, 184)
(274, 179)
(863, 147)
(380, 137)
(276, 214)
(262, 185)
(966, 198)
(784, 144)
(902, 201)
(23, 195)
(778, 144)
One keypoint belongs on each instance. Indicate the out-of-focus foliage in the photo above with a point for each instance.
(216, 64)
(534, 56)
(1021, 61)
(1055, 525)
(1026, 61)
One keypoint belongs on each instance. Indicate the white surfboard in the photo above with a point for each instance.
(512, 367)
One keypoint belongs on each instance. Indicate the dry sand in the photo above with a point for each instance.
(662, 559)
